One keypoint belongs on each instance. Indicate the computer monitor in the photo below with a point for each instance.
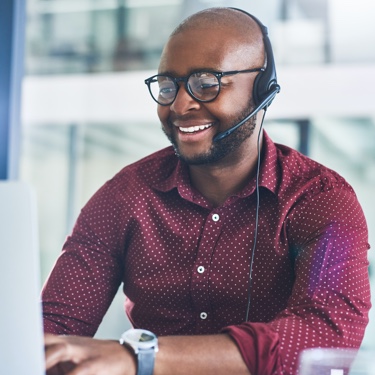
(21, 338)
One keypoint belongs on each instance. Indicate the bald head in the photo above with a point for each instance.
(219, 18)
(235, 27)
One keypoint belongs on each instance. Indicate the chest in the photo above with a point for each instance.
(196, 260)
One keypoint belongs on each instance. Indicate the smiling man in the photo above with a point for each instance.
(235, 253)
(191, 124)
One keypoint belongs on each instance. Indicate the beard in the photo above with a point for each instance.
(221, 148)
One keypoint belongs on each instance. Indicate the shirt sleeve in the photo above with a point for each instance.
(330, 301)
(88, 272)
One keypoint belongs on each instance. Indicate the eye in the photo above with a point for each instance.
(208, 82)
(204, 83)
(167, 89)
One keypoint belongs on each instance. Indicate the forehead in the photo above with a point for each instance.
(217, 48)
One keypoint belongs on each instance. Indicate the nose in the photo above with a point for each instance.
(184, 102)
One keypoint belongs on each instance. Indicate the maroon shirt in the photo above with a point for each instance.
(185, 265)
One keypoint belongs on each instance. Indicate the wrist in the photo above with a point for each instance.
(143, 345)
(130, 359)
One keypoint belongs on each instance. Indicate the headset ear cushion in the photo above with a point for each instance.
(257, 92)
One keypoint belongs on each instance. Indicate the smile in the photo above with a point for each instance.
(193, 129)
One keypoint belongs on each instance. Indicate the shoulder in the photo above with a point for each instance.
(149, 170)
(140, 176)
(299, 172)
(316, 199)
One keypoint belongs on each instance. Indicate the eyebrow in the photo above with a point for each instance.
(192, 71)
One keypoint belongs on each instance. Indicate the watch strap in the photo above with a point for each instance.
(146, 360)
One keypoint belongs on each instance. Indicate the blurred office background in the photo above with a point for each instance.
(86, 112)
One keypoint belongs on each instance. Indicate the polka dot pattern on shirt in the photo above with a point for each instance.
(184, 265)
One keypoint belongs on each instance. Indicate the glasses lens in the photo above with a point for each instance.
(204, 86)
(163, 89)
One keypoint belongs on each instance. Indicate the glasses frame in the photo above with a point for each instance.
(185, 80)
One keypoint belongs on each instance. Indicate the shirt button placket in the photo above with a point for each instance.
(200, 280)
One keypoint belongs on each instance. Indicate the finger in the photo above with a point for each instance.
(49, 338)
(56, 353)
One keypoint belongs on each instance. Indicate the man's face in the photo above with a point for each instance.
(191, 125)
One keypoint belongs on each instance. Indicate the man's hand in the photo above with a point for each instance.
(73, 355)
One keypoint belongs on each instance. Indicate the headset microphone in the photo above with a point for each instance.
(262, 105)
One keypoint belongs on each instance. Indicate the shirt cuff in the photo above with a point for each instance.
(259, 346)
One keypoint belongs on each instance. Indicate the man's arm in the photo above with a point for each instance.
(177, 355)
(208, 354)
(330, 300)
(88, 272)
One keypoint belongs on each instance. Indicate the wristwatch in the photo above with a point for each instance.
(145, 345)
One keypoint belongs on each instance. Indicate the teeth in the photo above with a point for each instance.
(193, 129)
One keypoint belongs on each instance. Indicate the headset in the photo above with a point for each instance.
(265, 84)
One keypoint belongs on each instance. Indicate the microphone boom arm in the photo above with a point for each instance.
(263, 105)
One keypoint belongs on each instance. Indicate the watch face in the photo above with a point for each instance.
(139, 338)
(140, 335)
(145, 337)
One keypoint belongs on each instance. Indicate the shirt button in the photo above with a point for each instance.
(215, 217)
(200, 269)
(203, 315)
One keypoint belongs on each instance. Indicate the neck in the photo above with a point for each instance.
(218, 182)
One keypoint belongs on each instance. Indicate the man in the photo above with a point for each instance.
(230, 284)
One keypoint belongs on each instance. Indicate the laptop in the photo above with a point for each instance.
(21, 338)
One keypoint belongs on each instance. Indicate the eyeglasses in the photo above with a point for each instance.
(202, 86)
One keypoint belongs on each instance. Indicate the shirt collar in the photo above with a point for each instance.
(268, 176)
